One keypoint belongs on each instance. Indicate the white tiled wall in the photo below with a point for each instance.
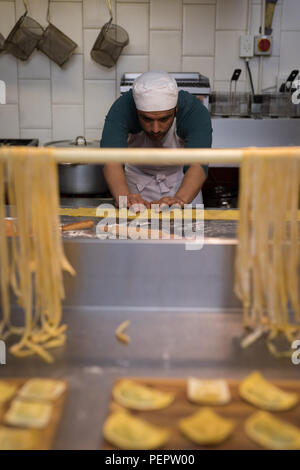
(51, 103)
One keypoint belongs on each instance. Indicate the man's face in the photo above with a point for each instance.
(156, 123)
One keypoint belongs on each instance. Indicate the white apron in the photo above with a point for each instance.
(154, 182)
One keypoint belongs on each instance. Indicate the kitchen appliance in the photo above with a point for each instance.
(275, 104)
(193, 82)
(230, 104)
(233, 103)
(80, 178)
(256, 105)
(19, 142)
(288, 84)
(221, 187)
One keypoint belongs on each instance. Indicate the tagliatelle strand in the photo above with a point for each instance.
(32, 260)
(267, 259)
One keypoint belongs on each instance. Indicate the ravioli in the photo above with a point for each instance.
(261, 393)
(272, 433)
(208, 392)
(17, 439)
(42, 389)
(140, 397)
(28, 414)
(125, 431)
(205, 427)
(7, 391)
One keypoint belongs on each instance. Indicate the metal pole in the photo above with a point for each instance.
(154, 156)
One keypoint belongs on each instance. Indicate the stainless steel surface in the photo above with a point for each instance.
(79, 141)
(275, 104)
(84, 201)
(165, 343)
(215, 231)
(238, 133)
(149, 274)
(184, 321)
(80, 179)
(230, 104)
(193, 82)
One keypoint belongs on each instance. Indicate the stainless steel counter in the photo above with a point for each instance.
(185, 320)
(165, 343)
(222, 230)
(247, 132)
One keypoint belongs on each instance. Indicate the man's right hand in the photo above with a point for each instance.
(136, 203)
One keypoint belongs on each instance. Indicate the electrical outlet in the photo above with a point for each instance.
(246, 45)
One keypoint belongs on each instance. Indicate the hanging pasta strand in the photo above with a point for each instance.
(4, 258)
(33, 266)
(267, 259)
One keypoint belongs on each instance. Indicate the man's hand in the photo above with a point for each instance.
(136, 203)
(166, 202)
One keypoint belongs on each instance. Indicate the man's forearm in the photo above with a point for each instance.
(116, 180)
(192, 183)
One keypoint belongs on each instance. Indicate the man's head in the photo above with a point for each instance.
(155, 95)
(157, 123)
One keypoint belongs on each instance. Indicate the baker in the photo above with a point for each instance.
(155, 115)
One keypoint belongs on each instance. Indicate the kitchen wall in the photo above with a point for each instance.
(50, 103)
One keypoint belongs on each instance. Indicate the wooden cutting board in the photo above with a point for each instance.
(238, 410)
(43, 437)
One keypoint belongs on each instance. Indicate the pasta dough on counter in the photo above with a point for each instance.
(42, 389)
(140, 397)
(206, 427)
(28, 414)
(271, 432)
(261, 393)
(208, 392)
(17, 439)
(7, 391)
(129, 432)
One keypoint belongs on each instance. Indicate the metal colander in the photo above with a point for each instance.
(55, 44)
(24, 37)
(109, 43)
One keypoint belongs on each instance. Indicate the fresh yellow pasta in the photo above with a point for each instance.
(120, 335)
(267, 261)
(31, 263)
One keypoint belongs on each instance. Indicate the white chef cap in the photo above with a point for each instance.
(155, 91)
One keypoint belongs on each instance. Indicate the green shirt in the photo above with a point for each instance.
(193, 124)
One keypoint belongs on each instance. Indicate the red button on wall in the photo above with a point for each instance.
(264, 45)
